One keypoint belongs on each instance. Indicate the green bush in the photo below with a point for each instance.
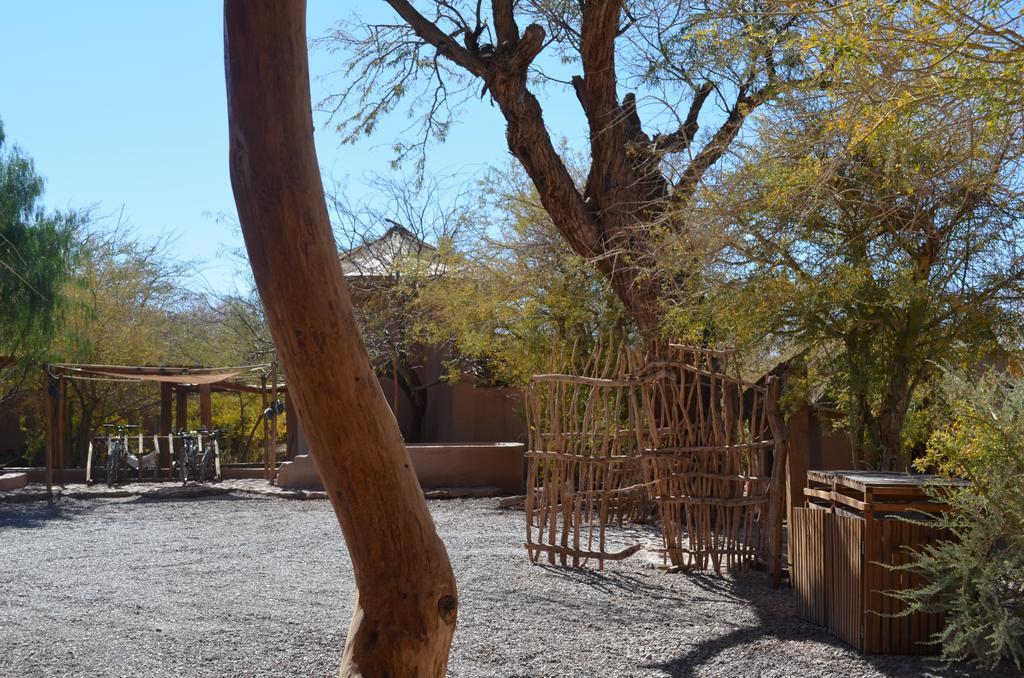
(977, 576)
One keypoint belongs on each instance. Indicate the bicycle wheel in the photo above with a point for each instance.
(183, 465)
(206, 465)
(113, 465)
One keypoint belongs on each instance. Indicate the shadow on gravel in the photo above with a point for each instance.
(611, 582)
(37, 514)
(171, 494)
(776, 621)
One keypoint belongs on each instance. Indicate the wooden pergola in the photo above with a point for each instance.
(177, 383)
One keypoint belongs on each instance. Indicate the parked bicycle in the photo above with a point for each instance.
(118, 459)
(198, 457)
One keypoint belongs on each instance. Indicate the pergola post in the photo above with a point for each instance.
(273, 424)
(166, 406)
(181, 408)
(61, 417)
(266, 430)
(50, 391)
(205, 406)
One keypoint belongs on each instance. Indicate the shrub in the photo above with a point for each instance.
(977, 576)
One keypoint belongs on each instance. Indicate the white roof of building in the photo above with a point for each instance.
(389, 254)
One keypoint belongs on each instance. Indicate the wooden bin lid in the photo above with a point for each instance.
(883, 480)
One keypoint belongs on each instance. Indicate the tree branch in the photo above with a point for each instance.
(505, 22)
(719, 144)
(680, 140)
(430, 33)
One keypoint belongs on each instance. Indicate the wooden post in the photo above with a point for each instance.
(50, 391)
(205, 406)
(180, 409)
(273, 424)
(61, 418)
(780, 479)
(406, 606)
(166, 407)
(266, 430)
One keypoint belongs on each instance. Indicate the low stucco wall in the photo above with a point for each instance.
(499, 465)
(13, 481)
(437, 465)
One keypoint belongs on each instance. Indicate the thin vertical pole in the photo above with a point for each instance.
(273, 424)
(166, 407)
(61, 415)
(49, 388)
(266, 431)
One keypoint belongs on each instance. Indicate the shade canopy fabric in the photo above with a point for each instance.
(171, 375)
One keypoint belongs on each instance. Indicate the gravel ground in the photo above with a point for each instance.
(253, 586)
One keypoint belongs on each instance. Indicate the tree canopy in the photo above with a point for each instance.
(36, 256)
(881, 257)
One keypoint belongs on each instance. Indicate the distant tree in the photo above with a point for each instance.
(37, 251)
(689, 65)
(128, 304)
(236, 319)
(882, 257)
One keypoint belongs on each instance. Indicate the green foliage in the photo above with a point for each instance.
(36, 257)
(977, 576)
(878, 258)
(521, 296)
(914, 55)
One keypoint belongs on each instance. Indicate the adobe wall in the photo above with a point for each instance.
(813, 444)
(500, 466)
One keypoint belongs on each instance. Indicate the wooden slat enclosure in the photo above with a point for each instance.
(807, 546)
(884, 633)
(844, 546)
(844, 564)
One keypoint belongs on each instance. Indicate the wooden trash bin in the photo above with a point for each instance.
(840, 545)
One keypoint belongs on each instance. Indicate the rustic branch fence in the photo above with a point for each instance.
(672, 430)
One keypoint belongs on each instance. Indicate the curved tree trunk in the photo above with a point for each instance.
(406, 608)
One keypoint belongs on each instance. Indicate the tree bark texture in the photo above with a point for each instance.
(406, 605)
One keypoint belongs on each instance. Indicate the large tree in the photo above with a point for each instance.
(714, 62)
(36, 257)
(406, 606)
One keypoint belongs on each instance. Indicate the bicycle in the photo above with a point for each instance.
(209, 464)
(199, 464)
(117, 450)
(187, 455)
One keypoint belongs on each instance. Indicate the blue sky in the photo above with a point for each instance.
(122, 104)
